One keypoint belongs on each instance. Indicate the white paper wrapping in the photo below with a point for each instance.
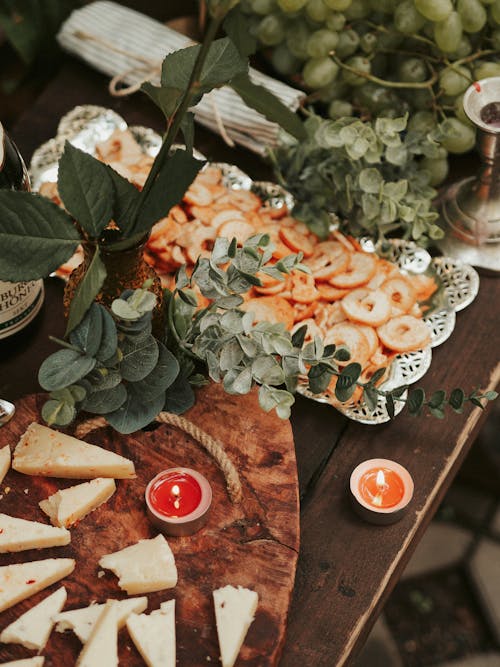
(120, 41)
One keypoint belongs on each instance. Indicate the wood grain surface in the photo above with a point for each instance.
(254, 545)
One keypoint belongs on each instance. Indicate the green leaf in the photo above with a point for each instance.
(64, 368)
(105, 401)
(109, 338)
(86, 291)
(187, 129)
(126, 196)
(390, 406)
(491, 395)
(87, 335)
(437, 399)
(222, 63)
(349, 375)
(299, 336)
(78, 392)
(342, 354)
(58, 413)
(86, 189)
(415, 401)
(236, 27)
(139, 358)
(180, 396)
(370, 397)
(168, 189)
(165, 97)
(135, 413)
(107, 380)
(319, 378)
(36, 236)
(377, 375)
(162, 375)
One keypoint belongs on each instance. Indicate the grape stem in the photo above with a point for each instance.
(388, 84)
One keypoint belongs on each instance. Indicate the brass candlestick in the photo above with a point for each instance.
(471, 207)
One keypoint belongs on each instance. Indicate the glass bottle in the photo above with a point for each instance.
(19, 302)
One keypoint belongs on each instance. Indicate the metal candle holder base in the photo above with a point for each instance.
(471, 207)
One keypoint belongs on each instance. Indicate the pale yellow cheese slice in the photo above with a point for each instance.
(19, 581)
(37, 661)
(143, 567)
(234, 613)
(43, 451)
(32, 629)
(82, 620)
(101, 649)
(154, 635)
(20, 534)
(67, 506)
(4, 461)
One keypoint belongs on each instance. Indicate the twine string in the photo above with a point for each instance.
(214, 447)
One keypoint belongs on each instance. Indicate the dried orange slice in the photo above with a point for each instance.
(404, 334)
(367, 306)
(361, 268)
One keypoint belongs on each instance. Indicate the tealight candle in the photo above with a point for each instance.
(381, 490)
(178, 500)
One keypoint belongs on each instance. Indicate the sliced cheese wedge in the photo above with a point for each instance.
(32, 629)
(43, 451)
(154, 635)
(19, 581)
(143, 567)
(26, 662)
(234, 613)
(19, 535)
(67, 506)
(82, 621)
(4, 461)
(101, 649)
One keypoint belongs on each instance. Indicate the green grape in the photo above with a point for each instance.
(317, 10)
(390, 39)
(447, 33)
(358, 9)
(422, 122)
(379, 64)
(487, 2)
(283, 61)
(460, 112)
(458, 138)
(483, 70)
(319, 72)
(463, 50)
(420, 99)
(495, 12)
(361, 65)
(348, 43)
(338, 5)
(262, 7)
(473, 15)
(384, 6)
(454, 81)
(335, 21)
(291, 6)
(437, 169)
(368, 42)
(412, 70)
(376, 99)
(296, 39)
(321, 43)
(495, 40)
(434, 10)
(336, 90)
(271, 30)
(407, 19)
(339, 109)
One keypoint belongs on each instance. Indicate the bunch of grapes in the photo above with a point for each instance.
(372, 58)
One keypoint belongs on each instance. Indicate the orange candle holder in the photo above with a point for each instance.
(381, 490)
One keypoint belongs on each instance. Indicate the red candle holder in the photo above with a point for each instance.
(178, 500)
(381, 490)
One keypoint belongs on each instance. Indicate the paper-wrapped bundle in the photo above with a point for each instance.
(122, 42)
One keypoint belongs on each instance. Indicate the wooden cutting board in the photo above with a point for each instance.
(254, 545)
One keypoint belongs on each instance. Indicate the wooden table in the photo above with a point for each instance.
(346, 568)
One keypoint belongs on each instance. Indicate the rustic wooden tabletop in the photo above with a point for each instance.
(346, 567)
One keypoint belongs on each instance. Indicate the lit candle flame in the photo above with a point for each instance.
(380, 480)
(381, 486)
(176, 492)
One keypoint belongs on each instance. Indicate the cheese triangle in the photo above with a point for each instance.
(37, 661)
(43, 451)
(154, 635)
(67, 506)
(234, 613)
(20, 534)
(4, 461)
(82, 621)
(144, 567)
(19, 581)
(32, 629)
(101, 649)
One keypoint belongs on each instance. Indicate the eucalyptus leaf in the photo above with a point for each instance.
(390, 407)
(86, 291)
(108, 379)
(78, 392)
(370, 397)
(139, 358)
(105, 401)
(135, 413)
(415, 401)
(36, 236)
(64, 368)
(88, 334)
(58, 413)
(109, 338)
(161, 377)
(180, 396)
